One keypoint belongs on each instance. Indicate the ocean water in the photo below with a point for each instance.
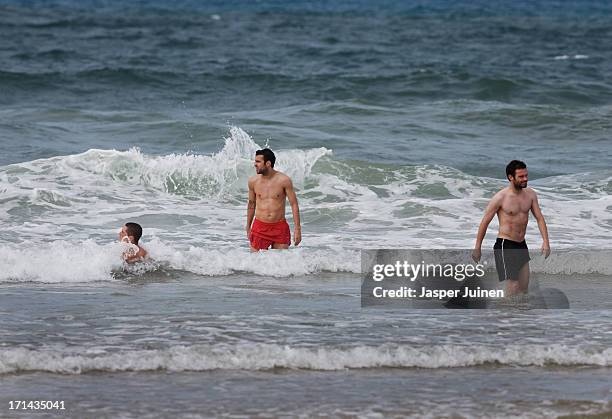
(395, 121)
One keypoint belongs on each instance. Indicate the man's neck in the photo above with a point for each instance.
(271, 173)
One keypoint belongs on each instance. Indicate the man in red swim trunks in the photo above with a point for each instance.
(268, 190)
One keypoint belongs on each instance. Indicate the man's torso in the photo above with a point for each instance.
(270, 197)
(513, 214)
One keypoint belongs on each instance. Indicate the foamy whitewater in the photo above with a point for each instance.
(266, 356)
(394, 119)
(204, 304)
(193, 209)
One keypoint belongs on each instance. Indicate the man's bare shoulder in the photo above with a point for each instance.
(141, 255)
(501, 194)
(142, 252)
(253, 179)
(530, 193)
(283, 178)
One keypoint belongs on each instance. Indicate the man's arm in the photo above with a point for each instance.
(250, 206)
(492, 208)
(537, 213)
(295, 209)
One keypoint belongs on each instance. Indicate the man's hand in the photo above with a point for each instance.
(476, 254)
(546, 250)
(248, 232)
(297, 236)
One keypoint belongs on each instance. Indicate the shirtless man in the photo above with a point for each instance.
(131, 233)
(512, 205)
(267, 192)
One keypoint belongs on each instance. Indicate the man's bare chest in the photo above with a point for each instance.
(269, 191)
(513, 206)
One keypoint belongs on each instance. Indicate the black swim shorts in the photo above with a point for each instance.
(510, 257)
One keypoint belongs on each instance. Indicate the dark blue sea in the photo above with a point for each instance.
(395, 120)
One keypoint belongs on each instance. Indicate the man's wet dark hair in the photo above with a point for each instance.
(135, 230)
(513, 166)
(268, 155)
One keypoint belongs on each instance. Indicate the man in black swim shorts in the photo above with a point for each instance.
(512, 206)
(510, 257)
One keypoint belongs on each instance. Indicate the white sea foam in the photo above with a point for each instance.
(200, 199)
(59, 261)
(86, 261)
(258, 356)
(297, 261)
(570, 57)
(217, 175)
(63, 261)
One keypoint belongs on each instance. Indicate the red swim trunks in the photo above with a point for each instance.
(263, 235)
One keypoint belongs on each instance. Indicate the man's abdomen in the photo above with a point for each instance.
(270, 213)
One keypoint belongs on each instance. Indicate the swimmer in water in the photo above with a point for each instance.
(269, 190)
(130, 233)
(512, 206)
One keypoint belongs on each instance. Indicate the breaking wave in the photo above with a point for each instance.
(271, 356)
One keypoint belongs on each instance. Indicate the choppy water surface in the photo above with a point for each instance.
(395, 121)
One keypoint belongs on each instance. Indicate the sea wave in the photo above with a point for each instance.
(294, 262)
(74, 262)
(224, 175)
(259, 356)
(221, 174)
(65, 261)
(59, 261)
(421, 206)
(218, 175)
